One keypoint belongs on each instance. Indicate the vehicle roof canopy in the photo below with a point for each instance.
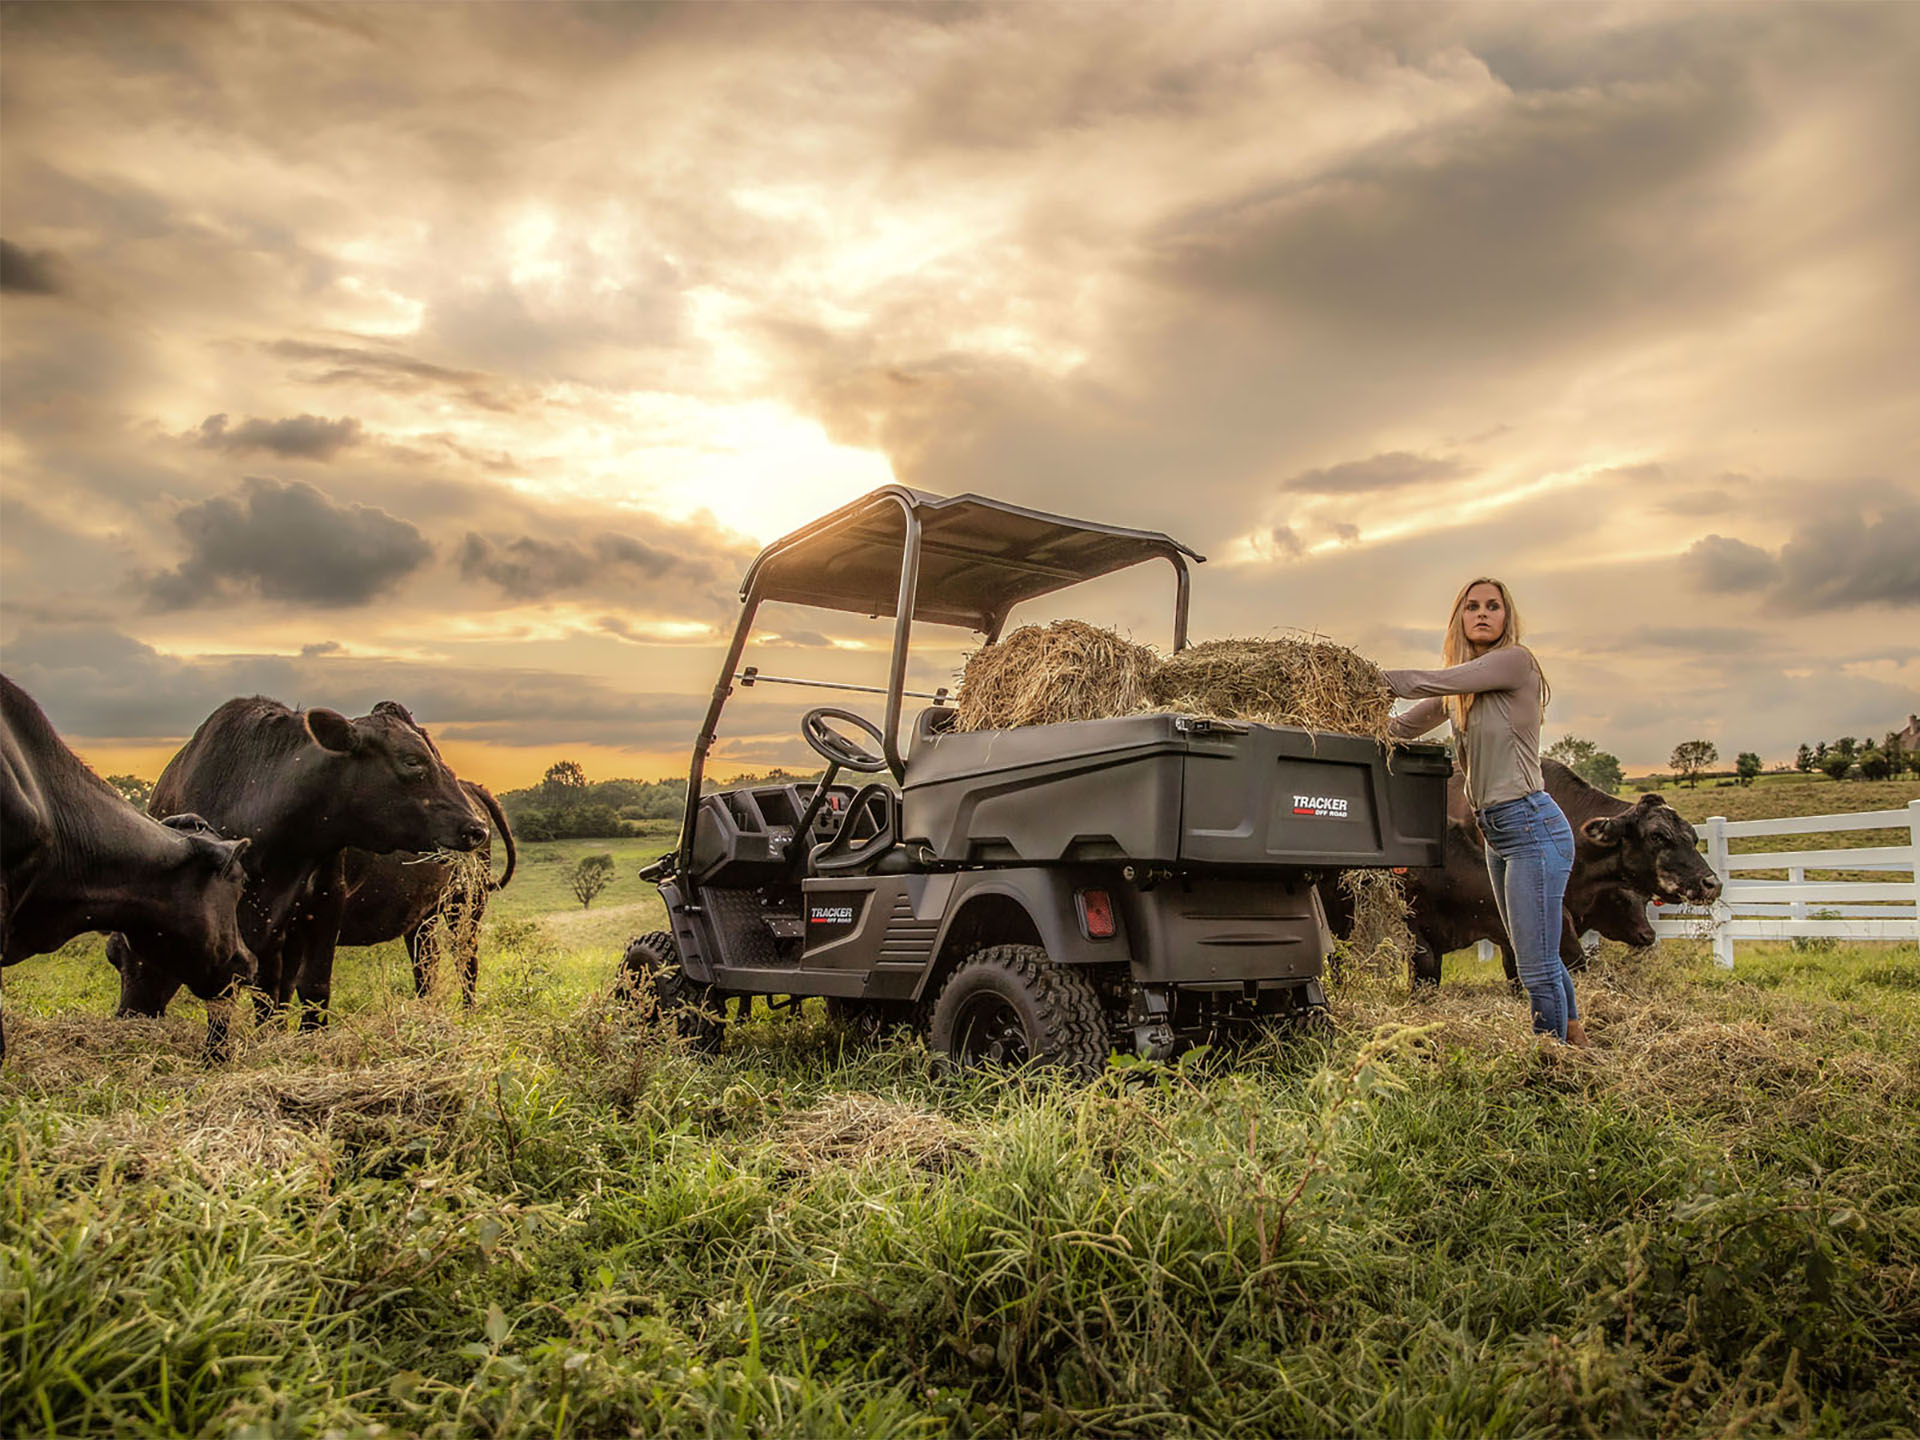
(978, 557)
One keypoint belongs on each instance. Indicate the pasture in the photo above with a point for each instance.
(541, 1217)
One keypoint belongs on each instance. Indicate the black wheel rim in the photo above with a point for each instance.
(988, 1031)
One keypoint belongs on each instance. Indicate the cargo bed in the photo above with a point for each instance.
(1173, 792)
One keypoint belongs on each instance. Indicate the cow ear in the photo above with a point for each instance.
(333, 731)
(1602, 830)
(240, 847)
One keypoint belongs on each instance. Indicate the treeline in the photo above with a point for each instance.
(566, 805)
(1849, 757)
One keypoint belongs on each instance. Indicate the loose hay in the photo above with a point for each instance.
(453, 930)
(1045, 675)
(1305, 681)
(1380, 941)
(858, 1129)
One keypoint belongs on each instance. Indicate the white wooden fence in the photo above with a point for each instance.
(1796, 907)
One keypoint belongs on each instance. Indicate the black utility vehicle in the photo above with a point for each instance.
(1042, 893)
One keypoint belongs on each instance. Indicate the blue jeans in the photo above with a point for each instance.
(1529, 857)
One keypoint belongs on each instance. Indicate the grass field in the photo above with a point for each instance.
(540, 1217)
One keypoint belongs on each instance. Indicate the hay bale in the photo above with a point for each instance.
(1048, 674)
(1305, 681)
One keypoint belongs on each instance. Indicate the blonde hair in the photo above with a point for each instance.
(1457, 649)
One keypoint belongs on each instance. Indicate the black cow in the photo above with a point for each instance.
(397, 896)
(75, 857)
(1625, 854)
(304, 787)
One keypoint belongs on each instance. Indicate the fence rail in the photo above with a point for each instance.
(1797, 908)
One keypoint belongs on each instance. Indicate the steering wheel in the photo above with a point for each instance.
(836, 748)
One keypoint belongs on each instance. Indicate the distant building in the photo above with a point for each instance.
(1910, 737)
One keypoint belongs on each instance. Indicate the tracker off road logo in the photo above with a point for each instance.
(830, 915)
(1321, 806)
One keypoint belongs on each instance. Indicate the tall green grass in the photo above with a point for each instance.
(542, 1218)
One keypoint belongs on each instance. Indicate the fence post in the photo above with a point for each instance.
(1483, 950)
(1913, 829)
(1722, 914)
(1797, 875)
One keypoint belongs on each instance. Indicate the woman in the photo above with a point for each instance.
(1494, 693)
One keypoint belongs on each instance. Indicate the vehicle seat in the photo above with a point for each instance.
(877, 854)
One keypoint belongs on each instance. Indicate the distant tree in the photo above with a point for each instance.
(1847, 745)
(1836, 765)
(1895, 752)
(135, 790)
(1588, 761)
(1803, 762)
(1874, 764)
(1747, 767)
(1820, 754)
(1690, 757)
(564, 775)
(592, 875)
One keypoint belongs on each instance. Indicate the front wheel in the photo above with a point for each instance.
(651, 971)
(1009, 1005)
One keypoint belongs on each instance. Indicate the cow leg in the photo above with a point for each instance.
(1572, 953)
(1424, 963)
(469, 967)
(312, 975)
(1511, 964)
(421, 953)
(219, 1021)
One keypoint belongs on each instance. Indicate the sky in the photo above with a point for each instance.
(466, 355)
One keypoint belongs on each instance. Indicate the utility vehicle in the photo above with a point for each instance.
(1041, 894)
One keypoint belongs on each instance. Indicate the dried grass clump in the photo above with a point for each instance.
(859, 1129)
(1048, 674)
(1304, 681)
(1380, 941)
(453, 931)
(224, 1124)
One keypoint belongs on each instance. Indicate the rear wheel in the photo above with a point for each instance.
(1009, 1005)
(651, 971)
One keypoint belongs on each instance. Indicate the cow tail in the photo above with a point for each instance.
(485, 797)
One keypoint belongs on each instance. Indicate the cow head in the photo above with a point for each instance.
(1619, 914)
(389, 789)
(1656, 851)
(200, 945)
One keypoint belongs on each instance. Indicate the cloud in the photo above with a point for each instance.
(97, 683)
(1285, 540)
(390, 371)
(287, 541)
(527, 568)
(1395, 470)
(306, 437)
(1838, 563)
(25, 272)
(1846, 561)
(1722, 564)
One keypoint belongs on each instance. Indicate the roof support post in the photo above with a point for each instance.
(1183, 584)
(710, 727)
(902, 634)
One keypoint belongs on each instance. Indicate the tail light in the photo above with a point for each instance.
(1096, 914)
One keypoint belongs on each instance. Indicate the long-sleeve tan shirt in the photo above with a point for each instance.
(1499, 752)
